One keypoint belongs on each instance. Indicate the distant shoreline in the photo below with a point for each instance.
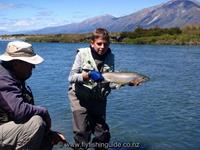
(189, 35)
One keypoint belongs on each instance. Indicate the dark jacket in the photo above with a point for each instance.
(16, 101)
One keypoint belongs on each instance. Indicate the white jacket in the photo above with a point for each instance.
(85, 61)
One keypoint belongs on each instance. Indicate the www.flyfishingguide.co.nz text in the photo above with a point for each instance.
(104, 145)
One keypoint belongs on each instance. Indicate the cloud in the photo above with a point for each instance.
(2, 28)
(45, 13)
(23, 23)
(18, 21)
(19, 24)
(7, 6)
(39, 17)
(13, 25)
(79, 14)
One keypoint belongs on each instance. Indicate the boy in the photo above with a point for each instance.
(88, 96)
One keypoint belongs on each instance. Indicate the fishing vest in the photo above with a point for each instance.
(90, 89)
(88, 63)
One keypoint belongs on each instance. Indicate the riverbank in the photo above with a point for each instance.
(189, 35)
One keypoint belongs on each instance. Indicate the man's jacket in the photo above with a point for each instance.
(16, 101)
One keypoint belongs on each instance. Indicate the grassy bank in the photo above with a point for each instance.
(189, 35)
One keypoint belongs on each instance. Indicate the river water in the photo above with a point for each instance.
(162, 114)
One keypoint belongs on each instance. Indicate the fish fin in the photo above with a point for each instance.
(118, 86)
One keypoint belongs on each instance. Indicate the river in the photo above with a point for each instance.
(162, 114)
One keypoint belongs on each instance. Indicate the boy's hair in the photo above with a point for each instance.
(100, 33)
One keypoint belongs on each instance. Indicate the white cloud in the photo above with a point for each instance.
(6, 6)
(13, 25)
(20, 16)
(22, 23)
(2, 28)
(18, 24)
(57, 22)
(40, 18)
(45, 13)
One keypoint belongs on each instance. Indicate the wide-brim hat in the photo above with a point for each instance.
(19, 50)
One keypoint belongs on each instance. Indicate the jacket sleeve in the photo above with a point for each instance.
(75, 73)
(12, 102)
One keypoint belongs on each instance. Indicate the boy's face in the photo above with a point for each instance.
(100, 45)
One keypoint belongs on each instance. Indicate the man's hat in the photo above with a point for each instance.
(19, 50)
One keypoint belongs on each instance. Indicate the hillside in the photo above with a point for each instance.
(174, 13)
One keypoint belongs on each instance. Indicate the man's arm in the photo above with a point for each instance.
(11, 101)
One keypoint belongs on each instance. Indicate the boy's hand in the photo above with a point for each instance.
(95, 76)
(85, 76)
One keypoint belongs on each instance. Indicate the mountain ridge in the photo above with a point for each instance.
(173, 13)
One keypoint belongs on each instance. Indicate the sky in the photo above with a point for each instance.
(20, 15)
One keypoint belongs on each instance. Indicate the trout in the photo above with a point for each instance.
(125, 78)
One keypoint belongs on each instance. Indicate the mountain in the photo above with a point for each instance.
(82, 27)
(174, 13)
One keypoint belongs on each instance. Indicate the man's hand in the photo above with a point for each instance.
(57, 137)
(95, 76)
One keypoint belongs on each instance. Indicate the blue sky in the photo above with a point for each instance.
(16, 15)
